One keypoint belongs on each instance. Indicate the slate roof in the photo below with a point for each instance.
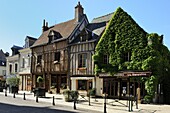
(32, 38)
(2, 58)
(65, 29)
(97, 26)
(104, 18)
(16, 47)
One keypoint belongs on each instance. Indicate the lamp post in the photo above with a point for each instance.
(105, 98)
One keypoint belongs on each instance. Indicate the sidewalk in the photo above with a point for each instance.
(95, 104)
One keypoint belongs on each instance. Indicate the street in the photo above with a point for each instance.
(17, 105)
(8, 104)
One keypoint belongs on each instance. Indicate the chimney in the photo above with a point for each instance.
(79, 11)
(44, 27)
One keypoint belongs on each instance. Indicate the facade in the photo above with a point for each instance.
(3, 64)
(130, 61)
(50, 53)
(80, 55)
(12, 66)
(82, 48)
(25, 64)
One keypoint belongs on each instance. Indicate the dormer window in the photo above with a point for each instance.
(53, 35)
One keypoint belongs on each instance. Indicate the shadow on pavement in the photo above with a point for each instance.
(8, 108)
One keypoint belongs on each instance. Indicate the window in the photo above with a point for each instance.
(90, 84)
(39, 58)
(16, 67)
(4, 72)
(83, 37)
(53, 80)
(57, 56)
(10, 68)
(82, 60)
(63, 82)
(105, 59)
(127, 56)
(23, 62)
(82, 84)
(53, 35)
(29, 61)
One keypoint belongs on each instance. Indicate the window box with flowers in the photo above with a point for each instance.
(82, 68)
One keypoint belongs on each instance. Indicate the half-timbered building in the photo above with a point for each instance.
(50, 53)
(81, 51)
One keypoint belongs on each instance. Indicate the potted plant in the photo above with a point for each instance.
(63, 87)
(52, 90)
(40, 90)
(92, 92)
(69, 95)
(13, 83)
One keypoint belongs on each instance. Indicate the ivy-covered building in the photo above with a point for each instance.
(128, 60)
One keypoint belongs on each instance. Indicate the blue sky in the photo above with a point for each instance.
(21, 18)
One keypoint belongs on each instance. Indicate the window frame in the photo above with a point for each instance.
(82, 84)
(23, 63)
(82, 60)
(10, 68)
(127, 56)
(57, 56)
(105, 59)
(39, 59)
(16, 67)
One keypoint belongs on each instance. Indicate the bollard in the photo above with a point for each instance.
(36, 98)
(5, 92)
(14, 95)
(131, 104)
(89, 99)
(53, 101)
(137, 101)
(74, 102)
(24, 97)
(105, 103)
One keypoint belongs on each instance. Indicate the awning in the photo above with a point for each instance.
(81, 78)
(127, 74)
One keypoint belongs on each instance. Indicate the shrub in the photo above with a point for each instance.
(40, 81)
(69, 95)
(148, 99)
(92, 92)
(13, 81)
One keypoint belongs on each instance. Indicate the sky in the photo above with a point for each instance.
(21, 18)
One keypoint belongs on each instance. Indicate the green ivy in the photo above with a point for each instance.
(123, 35)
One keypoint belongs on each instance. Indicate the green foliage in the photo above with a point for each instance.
(13, 81)
(150, 85)
(40, 79)
(69, 95)
(148, 53)
(147, 99)
(92, 92)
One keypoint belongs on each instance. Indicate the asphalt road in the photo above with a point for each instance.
(18, 105)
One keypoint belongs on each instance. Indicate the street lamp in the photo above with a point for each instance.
(105, 98)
